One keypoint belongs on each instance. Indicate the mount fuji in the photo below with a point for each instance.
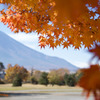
(13, 52)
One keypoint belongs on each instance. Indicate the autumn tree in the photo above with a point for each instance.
(12, 71)
(9, 65)
(57, 76)
(53, 77)
(61, 73)
(37, 75)
(57, 22)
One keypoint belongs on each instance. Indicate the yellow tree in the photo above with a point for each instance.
(57, 76)
(57, 22)
(12, 71)
(54, 77)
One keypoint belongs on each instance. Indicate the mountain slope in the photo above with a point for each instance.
(14, 52)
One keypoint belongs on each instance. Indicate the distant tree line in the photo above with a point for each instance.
(18, 74)
(55, 77)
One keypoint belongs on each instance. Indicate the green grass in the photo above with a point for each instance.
(9, 87)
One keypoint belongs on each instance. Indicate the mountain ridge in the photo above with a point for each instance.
(13, 52)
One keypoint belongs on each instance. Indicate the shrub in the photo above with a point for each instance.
(17, 81)
(61, 83)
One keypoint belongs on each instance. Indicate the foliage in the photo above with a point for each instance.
(90, 81)
(37, 75)
(17, 81)
(33, 80)
(71, 80)
(66, 78)
(12, 71)
(2, 72)
(58, 22)
(61, 72)
(95, 51)
(53, 77)
(1, 66)
(57, 76)
(43, 79)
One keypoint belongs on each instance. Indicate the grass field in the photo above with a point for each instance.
(9, 87)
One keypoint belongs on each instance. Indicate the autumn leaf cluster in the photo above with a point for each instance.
(57, 22)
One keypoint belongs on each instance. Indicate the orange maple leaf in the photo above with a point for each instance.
(95, 51)
(90, 81)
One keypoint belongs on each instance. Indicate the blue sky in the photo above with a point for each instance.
(79, 58)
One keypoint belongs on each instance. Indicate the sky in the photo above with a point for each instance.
(80, 58)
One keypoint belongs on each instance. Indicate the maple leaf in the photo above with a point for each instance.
(42, 44)
(95, 51)
(90, 81)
